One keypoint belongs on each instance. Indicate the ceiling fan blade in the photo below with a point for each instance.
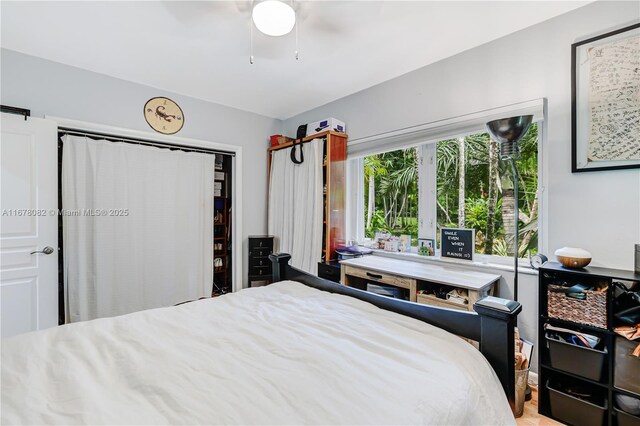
(313, 17)
(189, 11)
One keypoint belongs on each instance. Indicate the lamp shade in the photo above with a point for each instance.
(507, 132)
(510, 129)
(273, 17)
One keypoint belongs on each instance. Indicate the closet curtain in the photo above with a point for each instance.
(295, 205)
(137, 228)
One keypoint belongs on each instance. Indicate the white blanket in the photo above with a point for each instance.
(284, 354)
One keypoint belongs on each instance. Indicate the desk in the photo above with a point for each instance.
(415, 276)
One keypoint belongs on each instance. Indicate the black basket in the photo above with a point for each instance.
(626, 419)
(627, 369)
(575, 411)
(575, 359)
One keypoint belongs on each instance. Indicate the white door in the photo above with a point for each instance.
(29, 225)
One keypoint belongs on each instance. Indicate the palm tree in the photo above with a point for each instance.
(373, 167)
(399, 183)
(392, 185)
(492, 200)
(461, 182)
(508, 207)
(528, 196)
(447, 154)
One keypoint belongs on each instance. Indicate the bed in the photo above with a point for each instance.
(289, 353)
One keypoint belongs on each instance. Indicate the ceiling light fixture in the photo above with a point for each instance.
(273, 17)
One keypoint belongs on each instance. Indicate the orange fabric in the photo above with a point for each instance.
(629, 332)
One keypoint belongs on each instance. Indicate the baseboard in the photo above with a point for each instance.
(533, 378)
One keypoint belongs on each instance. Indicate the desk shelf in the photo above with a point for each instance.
(415, 276)
(430, 299)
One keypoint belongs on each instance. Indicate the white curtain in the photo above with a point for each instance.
(295, 205)
(143, 234)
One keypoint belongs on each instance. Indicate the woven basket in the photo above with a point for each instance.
(590, 311)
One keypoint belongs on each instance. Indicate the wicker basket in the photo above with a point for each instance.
(590, 311)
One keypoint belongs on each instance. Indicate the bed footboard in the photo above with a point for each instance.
(492, 328)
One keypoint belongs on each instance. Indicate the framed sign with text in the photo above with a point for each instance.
(457, 243)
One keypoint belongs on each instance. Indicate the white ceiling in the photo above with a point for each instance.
(201, 49)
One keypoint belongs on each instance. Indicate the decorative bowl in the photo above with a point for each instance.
(572, 257)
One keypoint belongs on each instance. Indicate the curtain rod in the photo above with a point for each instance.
(15, 110)
(146, 142)
(297, 141)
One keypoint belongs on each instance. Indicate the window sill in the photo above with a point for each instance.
(414, 257)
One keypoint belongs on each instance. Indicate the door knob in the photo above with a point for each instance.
(46, 250)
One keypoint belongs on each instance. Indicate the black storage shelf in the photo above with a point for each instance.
(222, 206)
(593, 272)
(552, 273)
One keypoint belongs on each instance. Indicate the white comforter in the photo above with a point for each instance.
(284, 354)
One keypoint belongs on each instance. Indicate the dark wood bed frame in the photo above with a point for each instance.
(492, 328)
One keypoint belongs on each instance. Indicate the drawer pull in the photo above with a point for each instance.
(374, 276)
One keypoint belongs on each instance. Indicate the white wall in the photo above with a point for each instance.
(599, 211)
(51, 88)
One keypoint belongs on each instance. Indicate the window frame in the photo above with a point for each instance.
(427, 188)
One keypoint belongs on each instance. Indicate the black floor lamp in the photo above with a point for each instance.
(507, 132)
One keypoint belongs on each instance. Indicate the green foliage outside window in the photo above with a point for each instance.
(393, 178)
(467, 165)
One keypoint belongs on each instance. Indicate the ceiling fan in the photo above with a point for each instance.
(272, 18)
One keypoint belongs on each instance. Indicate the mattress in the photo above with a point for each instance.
(281, 354)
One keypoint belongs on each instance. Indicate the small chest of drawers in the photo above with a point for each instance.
(260, 247)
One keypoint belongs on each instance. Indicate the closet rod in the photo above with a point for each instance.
(146, 142)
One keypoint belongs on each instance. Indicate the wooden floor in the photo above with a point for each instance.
(531, 416)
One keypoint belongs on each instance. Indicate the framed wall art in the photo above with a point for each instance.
(605, 107)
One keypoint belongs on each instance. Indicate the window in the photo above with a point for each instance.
(457, 182)
(475, 190)
(391, 193)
